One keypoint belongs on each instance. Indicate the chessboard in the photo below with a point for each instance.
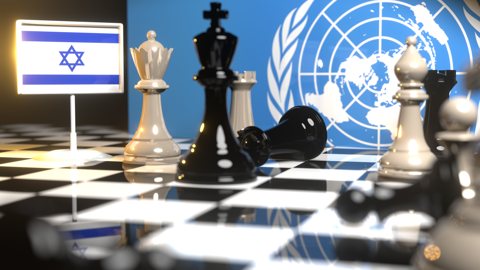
(285, 219)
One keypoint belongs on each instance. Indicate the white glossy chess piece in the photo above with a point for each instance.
(152, 142)
(409, 157)
(455, 239)
(241, 115)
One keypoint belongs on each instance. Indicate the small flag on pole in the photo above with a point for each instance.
(56, 57)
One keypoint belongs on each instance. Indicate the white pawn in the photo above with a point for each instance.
(241, 115)
(409, 157)
(151, 143)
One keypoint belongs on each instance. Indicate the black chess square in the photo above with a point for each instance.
(192, 264)
(197, 194)
(294, 184)
(255, 216)
(20, 185)
(4, 160)
(45, 206)
(269, 171)
(343, 165)
(356, 151)
(17, 171)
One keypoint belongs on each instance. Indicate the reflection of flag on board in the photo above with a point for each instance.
(69, 57)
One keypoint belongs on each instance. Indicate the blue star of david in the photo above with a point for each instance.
(65, 62)
(80, 251)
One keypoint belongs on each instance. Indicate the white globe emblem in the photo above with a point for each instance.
(346, 61)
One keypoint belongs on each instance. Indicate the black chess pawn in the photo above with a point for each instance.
(215, 156)
(301, 134)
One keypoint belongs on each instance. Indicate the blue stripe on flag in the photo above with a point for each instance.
(70, 79)
(91, 233)
(69, 37)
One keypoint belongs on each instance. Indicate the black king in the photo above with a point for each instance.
(216, 156)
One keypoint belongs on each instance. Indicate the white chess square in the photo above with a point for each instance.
(88, 143)
(282, 164)
(149, 211)
(22, 154)
(322, 174)
(164, 168)
(113, 150)
(310, 264)
(101, 190)
(347, 158)
(73, 175)
(32, 163)
(218, 242)
(289, 199)
(7, 197)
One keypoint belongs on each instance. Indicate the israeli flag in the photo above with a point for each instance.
(56, 57)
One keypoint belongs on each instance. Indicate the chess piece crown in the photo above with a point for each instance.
(151, 60)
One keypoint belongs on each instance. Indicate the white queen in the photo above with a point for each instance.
(151, 143)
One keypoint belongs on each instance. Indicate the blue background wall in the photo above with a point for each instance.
(256, 22)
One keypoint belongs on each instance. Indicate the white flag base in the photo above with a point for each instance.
(80, 157)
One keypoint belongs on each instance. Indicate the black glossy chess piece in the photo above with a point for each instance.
(438, 84)
(301, 134)
(432, 195)
(215, 157)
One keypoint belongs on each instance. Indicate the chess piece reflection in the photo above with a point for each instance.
(215, 156)
(241, 114)
(301, 134)
(152, 142)
(409, 157)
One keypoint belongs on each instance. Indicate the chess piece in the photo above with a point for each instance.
(436, 191)
(438, 84)
(241, 114)
(457, 235)
(432, 195)
(301, 134)
(215, 156)
(409, 157)
(151, 143)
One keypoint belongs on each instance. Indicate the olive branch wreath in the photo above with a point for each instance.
(279, 71)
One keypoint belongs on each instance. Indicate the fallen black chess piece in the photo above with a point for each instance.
(301, 134)
(432, 195)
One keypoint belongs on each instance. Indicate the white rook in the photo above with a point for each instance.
(241, 115)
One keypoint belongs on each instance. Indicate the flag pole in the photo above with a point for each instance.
(73, 133)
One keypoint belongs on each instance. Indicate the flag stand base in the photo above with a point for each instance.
(80, 157)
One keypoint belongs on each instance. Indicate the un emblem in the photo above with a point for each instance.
(339, 57)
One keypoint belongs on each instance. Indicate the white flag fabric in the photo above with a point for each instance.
(69, 57)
